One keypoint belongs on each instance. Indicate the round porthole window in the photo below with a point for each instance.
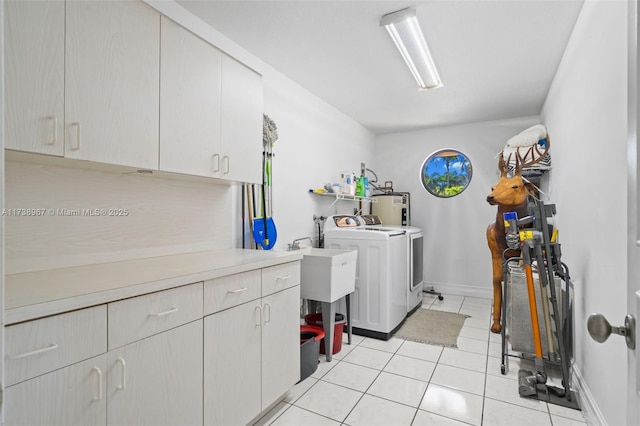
(446, 173)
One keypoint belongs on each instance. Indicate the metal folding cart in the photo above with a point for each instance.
(549, 296)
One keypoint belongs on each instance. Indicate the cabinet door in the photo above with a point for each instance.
(112, 82)
(74, 395)
(34, 76)
(158, 380)
(280, 344)
(241, 117)
(232, 365)
(189, 103)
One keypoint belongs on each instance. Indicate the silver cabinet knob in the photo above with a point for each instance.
(600, 329)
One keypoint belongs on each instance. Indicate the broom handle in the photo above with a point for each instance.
(264, 201)
(533, 308)
(251, 211)
(264, 217)
(242, 214)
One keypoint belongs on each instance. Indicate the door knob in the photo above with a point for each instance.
(600, 329)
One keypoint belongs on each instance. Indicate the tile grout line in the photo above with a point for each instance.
(373, 381)
(437, 362)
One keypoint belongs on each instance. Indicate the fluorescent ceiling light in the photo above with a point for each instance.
(406, 34)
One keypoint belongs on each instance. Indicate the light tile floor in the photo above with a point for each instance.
(398, 382)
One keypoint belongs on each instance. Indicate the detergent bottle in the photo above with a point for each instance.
(360, 187)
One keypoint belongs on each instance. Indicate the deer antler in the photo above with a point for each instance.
(503, 166)
(532, 156)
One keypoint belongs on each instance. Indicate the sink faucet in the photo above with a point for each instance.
(295, 245)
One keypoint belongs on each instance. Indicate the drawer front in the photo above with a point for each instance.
(40, 346)
(232, 290)
(143, 316)
(280, 277)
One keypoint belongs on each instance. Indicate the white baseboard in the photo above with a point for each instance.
(460, 290)
(590, 410)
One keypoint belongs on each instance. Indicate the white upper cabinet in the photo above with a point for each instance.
(34, 76)
(189, 103)
(210, 110)
(241, 116)
(111, 82)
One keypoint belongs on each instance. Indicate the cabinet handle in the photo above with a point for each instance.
(161, 314)
(35, 352)
(226, 169)
(54, 139)
(77, 136)
(240, 290)
(216, 158)
(284, 278)
(267, 311)
(99, 373)
(123, 377)
(259, 316)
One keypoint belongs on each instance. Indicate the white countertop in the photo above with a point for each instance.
(38, 294)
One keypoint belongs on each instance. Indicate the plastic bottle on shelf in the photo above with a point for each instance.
(360, 187)
(354, 184)
(348, 184)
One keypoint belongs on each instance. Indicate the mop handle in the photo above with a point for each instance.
(535, 327)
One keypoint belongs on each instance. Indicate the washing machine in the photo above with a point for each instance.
(379, 302)
(415, 259)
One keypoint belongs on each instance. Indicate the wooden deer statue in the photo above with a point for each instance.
(510, 195)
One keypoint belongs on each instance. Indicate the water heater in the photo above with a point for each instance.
(392, 208)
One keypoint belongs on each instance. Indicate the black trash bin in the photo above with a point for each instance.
(310, 338)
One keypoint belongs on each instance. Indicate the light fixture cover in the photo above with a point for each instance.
(405, 31)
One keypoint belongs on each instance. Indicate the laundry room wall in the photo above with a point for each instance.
(456, 257)
(586, 115)
(316, 142)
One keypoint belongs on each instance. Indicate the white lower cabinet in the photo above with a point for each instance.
(251, 357)
(156, 359)
(157, 380)
(280, 344)
(55, 369)
(74, 395)
(232, 365)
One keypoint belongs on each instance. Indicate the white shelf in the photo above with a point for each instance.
(346, 197)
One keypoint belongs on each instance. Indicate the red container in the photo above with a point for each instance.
(316, 321)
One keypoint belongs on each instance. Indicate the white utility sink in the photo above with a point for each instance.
(327, 274)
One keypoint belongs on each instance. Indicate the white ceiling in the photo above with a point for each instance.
(496, 58)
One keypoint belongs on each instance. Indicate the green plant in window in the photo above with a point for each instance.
(446, 173)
